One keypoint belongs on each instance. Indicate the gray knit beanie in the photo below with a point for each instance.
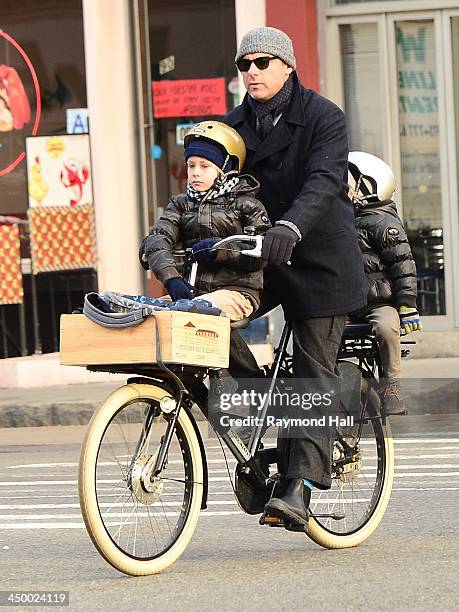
(267, 40)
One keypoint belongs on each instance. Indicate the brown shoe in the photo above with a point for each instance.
(391, 401)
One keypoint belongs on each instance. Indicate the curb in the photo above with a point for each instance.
(57, 413)
(423, 397)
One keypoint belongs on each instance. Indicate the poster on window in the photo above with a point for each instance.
(59, 170)
(419, 126)
(189, 98)
(11, 291)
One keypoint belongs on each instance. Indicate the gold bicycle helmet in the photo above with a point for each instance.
(223, 136)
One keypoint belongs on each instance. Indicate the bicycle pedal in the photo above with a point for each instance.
(272, 521)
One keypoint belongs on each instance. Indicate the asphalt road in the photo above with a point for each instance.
(410, 562)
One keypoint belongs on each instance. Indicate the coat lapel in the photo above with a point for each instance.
(251, 140)
(280, 138)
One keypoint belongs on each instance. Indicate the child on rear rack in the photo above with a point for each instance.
(389, 266)
(218, 203)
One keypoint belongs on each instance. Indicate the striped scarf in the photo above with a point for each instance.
(213, 192)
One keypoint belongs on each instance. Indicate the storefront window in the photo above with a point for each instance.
(340, 2)
(420, 158)
(49, 36)
(190, 41)
(42, 75)
(362, 88)
(455, 54)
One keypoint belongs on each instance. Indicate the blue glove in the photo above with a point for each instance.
(179, 289)
(409, 319)
(201, 250)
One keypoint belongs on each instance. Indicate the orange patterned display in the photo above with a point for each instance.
(62, 237)
(11, 291)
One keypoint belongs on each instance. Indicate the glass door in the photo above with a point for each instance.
(451, 37)
(421, 157)
(396, 75)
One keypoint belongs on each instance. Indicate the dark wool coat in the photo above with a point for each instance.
(186, 221)
(387, 256)
(302, 170)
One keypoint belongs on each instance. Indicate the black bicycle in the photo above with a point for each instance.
(143, 477)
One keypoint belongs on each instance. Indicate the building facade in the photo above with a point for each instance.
(391, 65)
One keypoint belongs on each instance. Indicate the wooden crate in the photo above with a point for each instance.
(192, 339)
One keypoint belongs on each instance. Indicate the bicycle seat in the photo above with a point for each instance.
(241, 324)
(354, 330)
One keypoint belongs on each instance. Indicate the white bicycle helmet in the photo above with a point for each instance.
(370, 178)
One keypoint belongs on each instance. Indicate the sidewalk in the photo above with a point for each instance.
(431, 386)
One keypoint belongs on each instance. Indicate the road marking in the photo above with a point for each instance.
(230, 462)
(229, 491)
(425, 474)
(428, 466)
(38, 483)
(102, 505)
(81, 525)
(424, 440)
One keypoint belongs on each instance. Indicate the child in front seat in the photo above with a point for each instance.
(389, 266)
(219, 202)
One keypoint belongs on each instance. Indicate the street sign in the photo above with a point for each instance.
(77, 121)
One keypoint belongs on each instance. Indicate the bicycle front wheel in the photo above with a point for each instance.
(349, 512)
(140, 523)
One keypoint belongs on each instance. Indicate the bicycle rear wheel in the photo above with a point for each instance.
(349, 512)
(139, 524)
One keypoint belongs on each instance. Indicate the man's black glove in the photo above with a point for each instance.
(201, 250)
(179, 289)
(278, 244)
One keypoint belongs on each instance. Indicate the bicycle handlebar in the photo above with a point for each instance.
(254, 252)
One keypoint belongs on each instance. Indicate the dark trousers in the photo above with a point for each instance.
(305, 452)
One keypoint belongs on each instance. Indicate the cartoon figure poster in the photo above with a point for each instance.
(59, 170)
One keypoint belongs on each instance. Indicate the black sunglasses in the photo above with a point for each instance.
(243, 65)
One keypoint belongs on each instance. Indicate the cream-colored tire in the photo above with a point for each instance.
(329, 537)
(100, 535)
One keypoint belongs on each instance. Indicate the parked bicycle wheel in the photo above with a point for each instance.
(363, 468)
(140, 524)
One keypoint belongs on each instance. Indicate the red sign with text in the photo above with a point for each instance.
(189, 98)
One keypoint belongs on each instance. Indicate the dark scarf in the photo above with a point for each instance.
(265, 112)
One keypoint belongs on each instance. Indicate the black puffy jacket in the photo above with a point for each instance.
(387, 257)
(186, 221)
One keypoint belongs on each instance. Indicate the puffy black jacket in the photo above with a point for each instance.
(387, 256)
(186, 221)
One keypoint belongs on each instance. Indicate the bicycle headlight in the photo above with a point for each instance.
(167, 404)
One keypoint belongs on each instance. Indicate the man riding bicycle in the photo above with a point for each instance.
(297, 149)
